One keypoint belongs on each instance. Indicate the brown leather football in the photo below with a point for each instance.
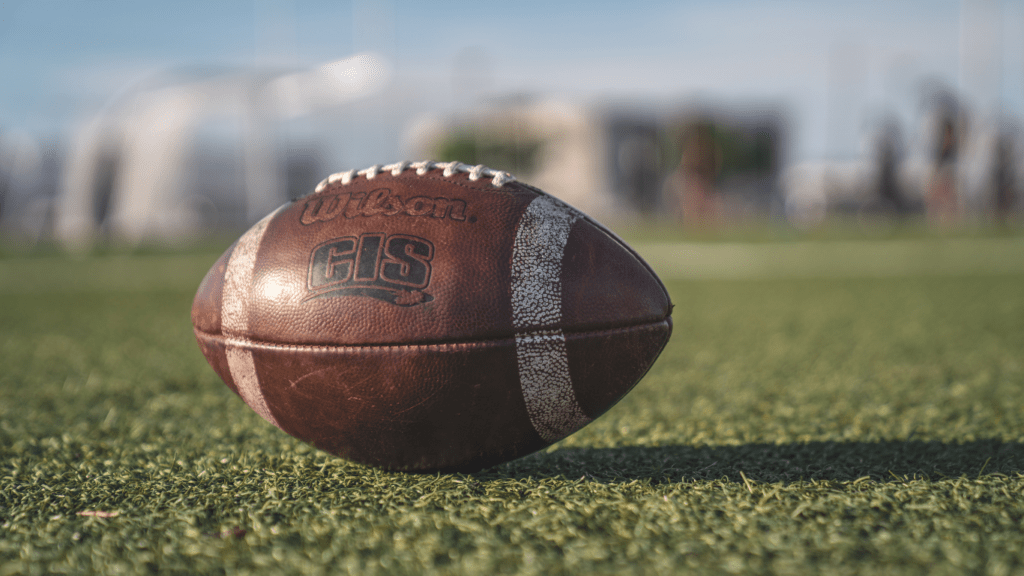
(430, 316)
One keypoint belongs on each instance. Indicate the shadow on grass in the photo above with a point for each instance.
(842, 461)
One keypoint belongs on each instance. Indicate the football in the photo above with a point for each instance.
(430, 316)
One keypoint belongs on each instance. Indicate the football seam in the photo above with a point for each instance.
(440, 346)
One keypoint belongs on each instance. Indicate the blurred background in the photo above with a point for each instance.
(139, 122)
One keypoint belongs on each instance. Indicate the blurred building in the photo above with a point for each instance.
(614, 161)
(194, 154)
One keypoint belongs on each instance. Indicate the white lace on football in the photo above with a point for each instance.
(498, 178)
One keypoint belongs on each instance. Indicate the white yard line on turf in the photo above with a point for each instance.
(672, 261)
(841, 259)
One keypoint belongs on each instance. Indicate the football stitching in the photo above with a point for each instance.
(498, 177)
(439, 346)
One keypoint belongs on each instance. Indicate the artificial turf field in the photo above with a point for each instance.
(858, 408)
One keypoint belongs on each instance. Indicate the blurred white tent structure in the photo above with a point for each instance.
(131, 172)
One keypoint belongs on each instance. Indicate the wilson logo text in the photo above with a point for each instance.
(380, 202)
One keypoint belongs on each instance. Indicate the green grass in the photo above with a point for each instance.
(822, 420)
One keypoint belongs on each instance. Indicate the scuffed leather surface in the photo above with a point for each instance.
(604, 285)
(431, 386)
(435, 407)
(206, 306)
(470, 261)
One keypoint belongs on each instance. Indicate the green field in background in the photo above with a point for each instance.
(856, 408)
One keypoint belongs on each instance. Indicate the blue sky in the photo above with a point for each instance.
(835, 66)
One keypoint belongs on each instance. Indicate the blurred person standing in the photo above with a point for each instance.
(692, 187)
(1004, 185)
(889, 154)
(943, 198)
